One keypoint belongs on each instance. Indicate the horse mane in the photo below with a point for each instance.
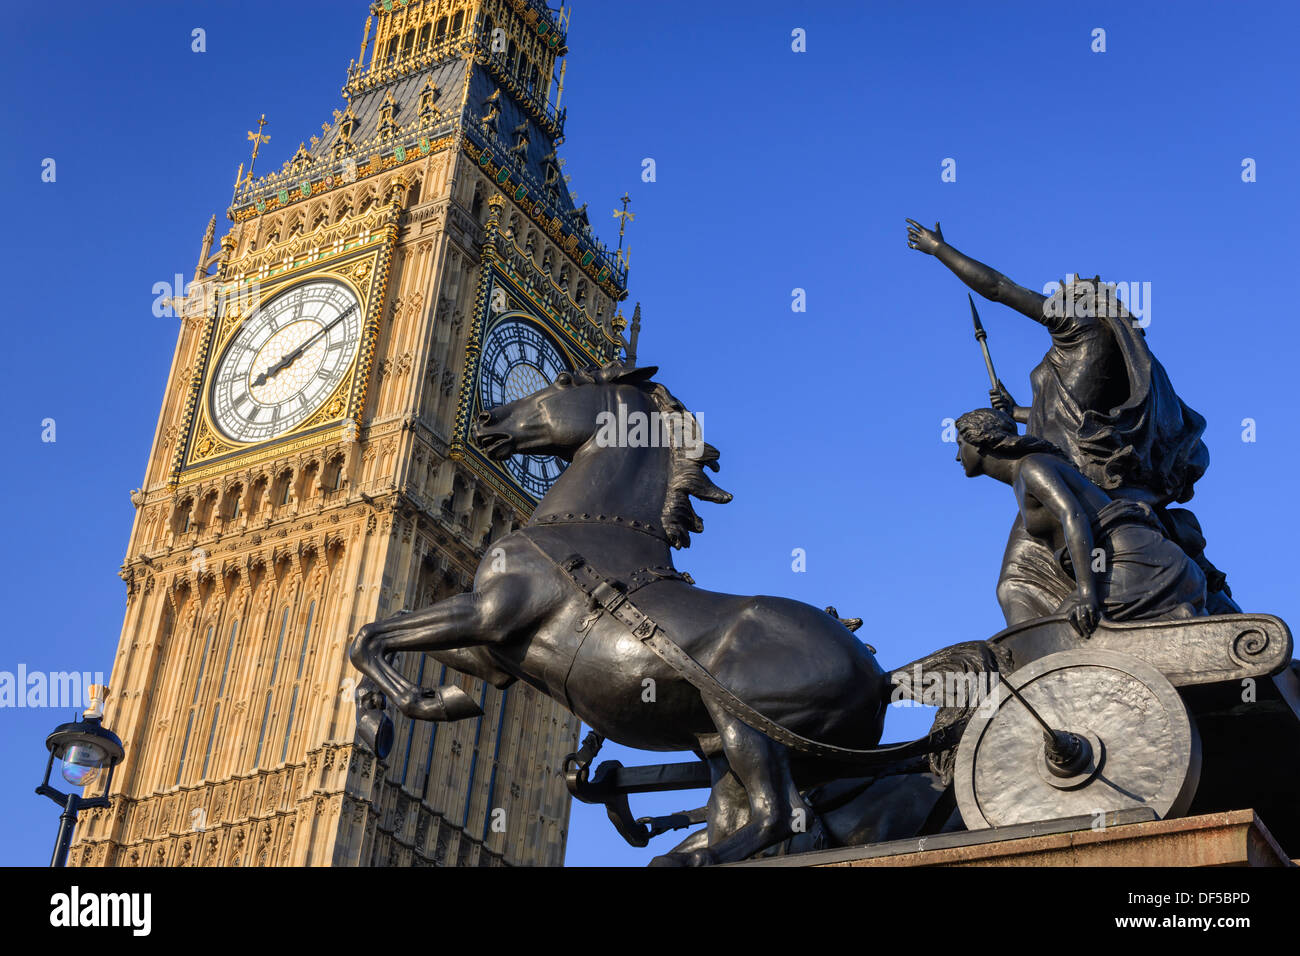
(687, 477)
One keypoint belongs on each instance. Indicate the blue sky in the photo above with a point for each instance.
(775, 170)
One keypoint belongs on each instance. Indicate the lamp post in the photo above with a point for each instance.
(86, 750)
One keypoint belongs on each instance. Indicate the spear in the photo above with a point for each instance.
(981, 336)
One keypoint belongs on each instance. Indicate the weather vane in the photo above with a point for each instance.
(257, 139)
(624, 218)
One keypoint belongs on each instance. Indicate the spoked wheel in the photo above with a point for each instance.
(1077, 732)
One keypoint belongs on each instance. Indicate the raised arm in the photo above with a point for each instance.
(1041, 478)
(988, 282)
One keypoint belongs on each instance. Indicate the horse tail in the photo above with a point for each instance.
(957, 680)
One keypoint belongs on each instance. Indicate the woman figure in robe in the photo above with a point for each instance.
(1102, 398)
(1143, 576)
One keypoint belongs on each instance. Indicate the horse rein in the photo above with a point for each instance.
(606, 595)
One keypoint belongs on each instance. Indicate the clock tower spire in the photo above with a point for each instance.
(312, 468)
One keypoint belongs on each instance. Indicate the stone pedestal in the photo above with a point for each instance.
(1128, 838)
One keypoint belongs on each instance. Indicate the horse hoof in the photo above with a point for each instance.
(444, 704)
(458, 704)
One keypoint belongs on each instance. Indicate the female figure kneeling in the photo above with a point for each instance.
(1141, 575)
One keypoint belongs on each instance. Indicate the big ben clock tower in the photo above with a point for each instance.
(312, 468)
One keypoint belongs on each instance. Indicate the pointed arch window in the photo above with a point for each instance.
(347, 124)
(184, 519)
(221, 694)
(282, 487)
(433, 736)
(496, 762)
(270, 687)
(387, 126)
(333, 478)
(207, 505)
(255, 496)
(297, 682)
(473, 760)
(194, 704)
(410, 733)
(428, 94)
(234, 498)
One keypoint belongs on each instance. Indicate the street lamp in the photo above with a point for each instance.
(88, 753)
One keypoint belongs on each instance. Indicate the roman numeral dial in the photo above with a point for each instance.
(519, 359)
(285, 361)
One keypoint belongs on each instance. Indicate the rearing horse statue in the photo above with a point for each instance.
(584, 604)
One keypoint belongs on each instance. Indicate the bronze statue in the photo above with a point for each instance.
(584, 604)
(1078, 705)
(1107, 403)
(1135, 571)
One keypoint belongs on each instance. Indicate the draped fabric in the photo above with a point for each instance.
(1145, 575)
(1151, 440)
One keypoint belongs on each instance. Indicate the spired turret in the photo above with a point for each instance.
(431, 256)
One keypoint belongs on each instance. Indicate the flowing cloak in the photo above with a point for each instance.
(1151, 441)
(1146, 576)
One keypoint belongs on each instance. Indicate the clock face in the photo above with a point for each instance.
(285, 361)
(519, 359)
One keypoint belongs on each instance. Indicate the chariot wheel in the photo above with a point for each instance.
(1121, 738)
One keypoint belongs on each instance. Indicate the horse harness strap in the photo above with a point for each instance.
(613, 597)
(616, 521)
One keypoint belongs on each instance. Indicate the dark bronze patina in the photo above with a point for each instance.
(776, 696)
(1120, 674)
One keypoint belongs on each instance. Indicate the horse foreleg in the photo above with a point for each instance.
(476, 662)
(775, 812)
(728, 805)
(459, 622)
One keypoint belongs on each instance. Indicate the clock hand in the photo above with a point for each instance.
(296, 354)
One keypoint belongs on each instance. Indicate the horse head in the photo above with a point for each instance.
(582, 418)
(560, 418)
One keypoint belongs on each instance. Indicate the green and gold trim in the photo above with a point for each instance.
(403, 153)
(522, 302)
(364, 267)
(553, 226)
